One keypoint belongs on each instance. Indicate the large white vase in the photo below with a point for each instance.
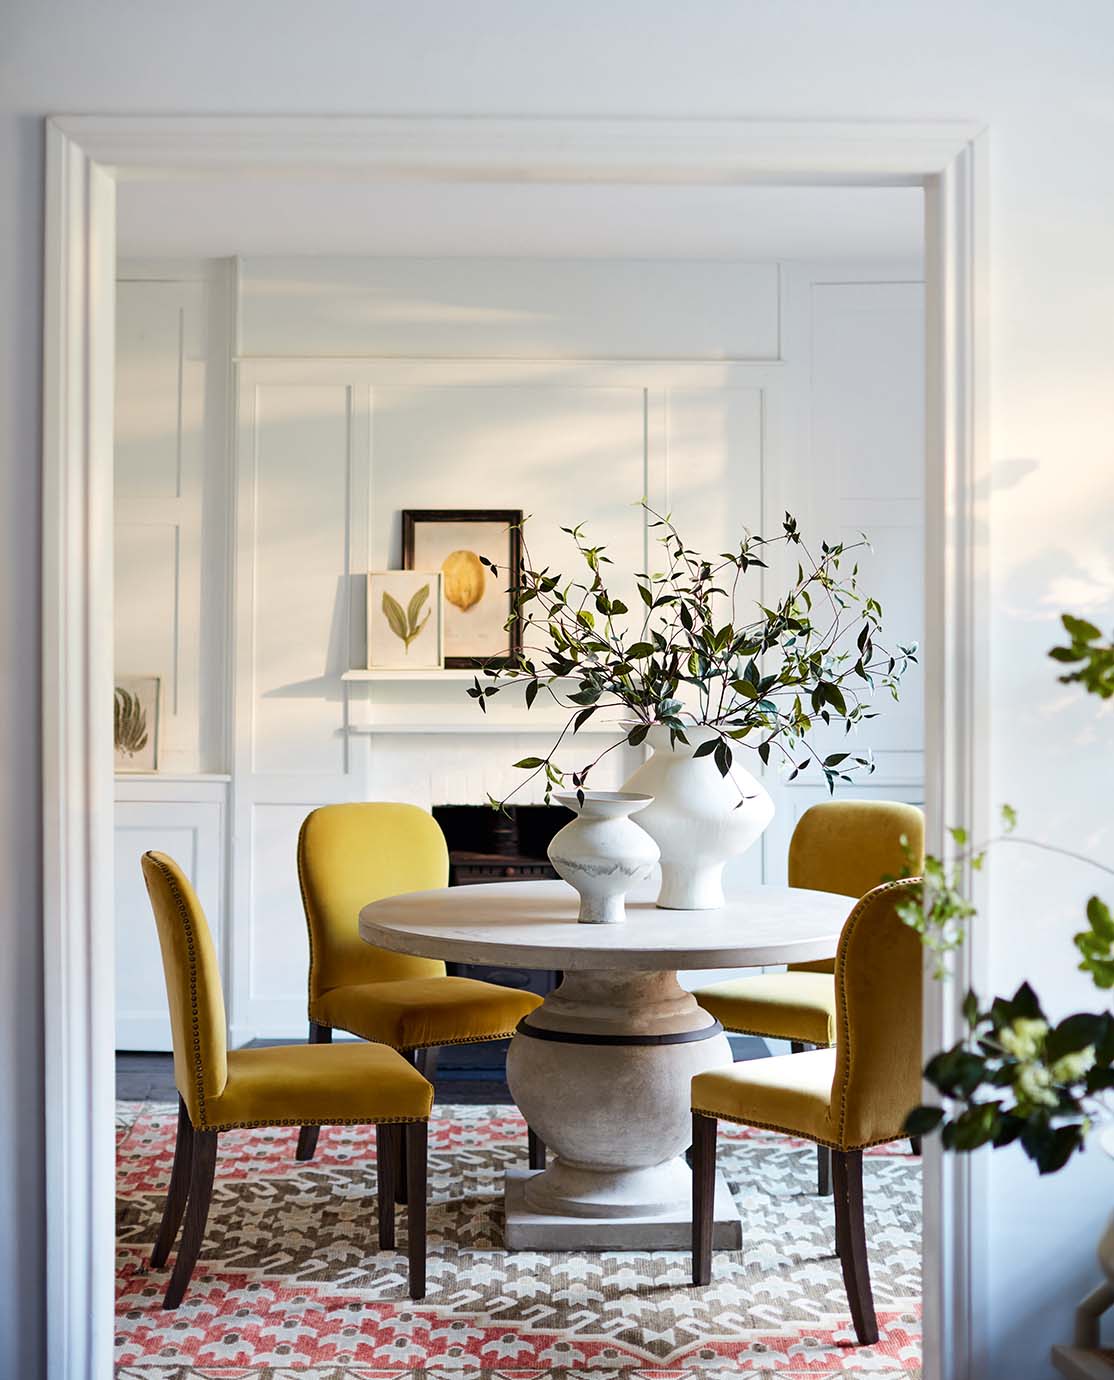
(602, 853)
(699, 819)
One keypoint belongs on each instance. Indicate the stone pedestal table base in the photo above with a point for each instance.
(602, 1072)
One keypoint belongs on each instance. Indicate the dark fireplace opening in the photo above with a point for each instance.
(488, 845)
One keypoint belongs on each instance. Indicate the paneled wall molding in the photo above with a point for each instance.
(506, 308)
(171, 463)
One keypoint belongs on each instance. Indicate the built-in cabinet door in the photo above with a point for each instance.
(192, 834)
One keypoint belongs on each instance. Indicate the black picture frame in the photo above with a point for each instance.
(510, 518)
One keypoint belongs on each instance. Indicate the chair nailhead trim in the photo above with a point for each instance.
(191, 958)
(841, 998)
(333, 1121)
(841, 1008)
(432, 1044)
(795, 1132)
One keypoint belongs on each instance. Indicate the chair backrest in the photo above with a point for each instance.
(193, 987)
(349, 855)
(878, 983)
(852, 846)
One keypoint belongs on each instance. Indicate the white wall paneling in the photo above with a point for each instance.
(171, 557)
(184, 817)
(170, 499)
(331, 450)
(854, 463)
(302, 534)
(506, 308)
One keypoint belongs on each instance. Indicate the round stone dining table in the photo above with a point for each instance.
(601, 1070)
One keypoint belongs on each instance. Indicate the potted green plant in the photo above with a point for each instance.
(1016, 1076)
(705, 674)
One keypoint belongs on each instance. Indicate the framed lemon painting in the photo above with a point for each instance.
(477, 604)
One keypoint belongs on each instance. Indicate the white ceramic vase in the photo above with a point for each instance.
(603, 853)
(699, 819)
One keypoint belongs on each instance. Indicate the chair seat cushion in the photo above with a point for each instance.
(791, 1092)
(415, 1012)
(784, 1006)
(325, 1085)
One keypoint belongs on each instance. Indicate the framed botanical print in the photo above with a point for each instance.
(404, 620)
(136, 702)
(477, 603)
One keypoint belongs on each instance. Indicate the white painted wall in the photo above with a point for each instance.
(468, 403)
(1038, 75)
(173, 362)
(511, 308)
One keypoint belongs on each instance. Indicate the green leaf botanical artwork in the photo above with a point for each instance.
(131, 734)
(406, 624)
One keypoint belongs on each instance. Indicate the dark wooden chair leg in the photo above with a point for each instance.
(307, 1136)
(178, 1190)
(915, 1144)
(704, 1130)
(417, 1145)
(426, 1062)
(847, 1170)
(202, 1170)
(536, 1149)
(402, 1178)
(823, 1171)
(388, 1144)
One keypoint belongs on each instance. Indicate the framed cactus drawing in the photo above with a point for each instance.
(405, 620)
(136, 723)
(478, 604)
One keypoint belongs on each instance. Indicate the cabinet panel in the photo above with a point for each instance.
(191, 833)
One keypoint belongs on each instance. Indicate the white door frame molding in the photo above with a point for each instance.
(86, 155)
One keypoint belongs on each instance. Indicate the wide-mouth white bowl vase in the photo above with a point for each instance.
(602, 853)
(699, 819)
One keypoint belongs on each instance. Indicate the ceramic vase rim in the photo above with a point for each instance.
(635, 800)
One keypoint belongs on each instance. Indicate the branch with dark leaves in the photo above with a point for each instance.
(700, 654)
(1016, 1076)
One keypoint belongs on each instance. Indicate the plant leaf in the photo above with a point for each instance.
(396, 619)
(415, 606)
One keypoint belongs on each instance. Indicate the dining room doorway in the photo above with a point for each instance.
(86, 160)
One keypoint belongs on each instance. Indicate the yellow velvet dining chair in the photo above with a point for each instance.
(845, 1098)
(288, 1085)
(843, 846)
(348, 856)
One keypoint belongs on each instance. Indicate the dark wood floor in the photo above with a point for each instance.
(144, 1077)
(150, 1078)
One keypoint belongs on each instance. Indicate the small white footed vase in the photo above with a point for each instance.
(700, 819)
(603, 853)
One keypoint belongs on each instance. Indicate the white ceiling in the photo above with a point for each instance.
(188, 219)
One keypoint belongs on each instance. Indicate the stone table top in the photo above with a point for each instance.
(534, 924)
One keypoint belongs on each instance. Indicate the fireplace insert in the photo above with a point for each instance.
(487, 845)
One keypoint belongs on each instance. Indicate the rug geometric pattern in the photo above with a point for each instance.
(290, 1285)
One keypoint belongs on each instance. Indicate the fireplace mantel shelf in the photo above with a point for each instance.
(483, 726)
(447, 674)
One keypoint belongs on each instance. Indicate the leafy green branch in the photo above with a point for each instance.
(700, 654)
(1094, 659)
(1014, 1076)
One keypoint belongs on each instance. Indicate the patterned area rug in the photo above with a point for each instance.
(290, 1286)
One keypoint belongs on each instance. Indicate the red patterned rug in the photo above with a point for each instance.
(291, 1287)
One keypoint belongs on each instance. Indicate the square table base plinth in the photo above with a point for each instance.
(530, 1230)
